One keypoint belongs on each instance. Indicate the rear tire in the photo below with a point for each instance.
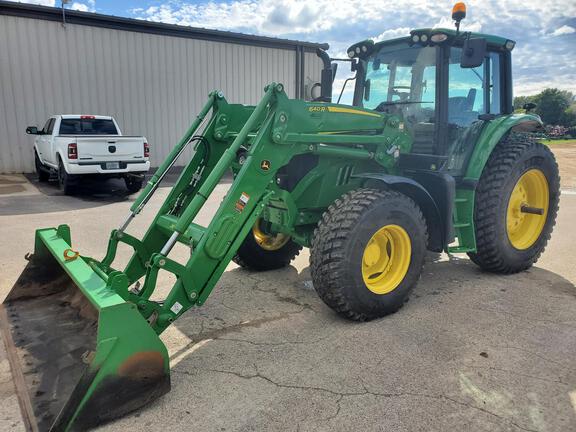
(133, 185)
(65, 180)
(367, 253)
(42, 173)
(261, 251)
(520, 172)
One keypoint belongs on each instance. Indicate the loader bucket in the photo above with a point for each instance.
(79, 354)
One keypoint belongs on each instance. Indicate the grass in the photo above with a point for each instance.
(559, 141)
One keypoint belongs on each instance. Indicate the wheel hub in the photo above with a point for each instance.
(386, 259)
(527, 209)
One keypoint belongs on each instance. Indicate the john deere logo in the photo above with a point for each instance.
(265, 165)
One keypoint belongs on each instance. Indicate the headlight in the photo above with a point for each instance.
(415, 38)
(510, 45)
(351, 54)
(357, 50)
(439, 37)
(364, 49)
(423, 38)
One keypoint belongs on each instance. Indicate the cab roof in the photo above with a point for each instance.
(492, 40)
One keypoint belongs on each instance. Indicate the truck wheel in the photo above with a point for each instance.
(367, 253)
(42, 173)
(516, 205)
(133, 184)
(65, 180)
(262, 251)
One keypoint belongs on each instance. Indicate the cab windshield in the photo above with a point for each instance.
(402, 79)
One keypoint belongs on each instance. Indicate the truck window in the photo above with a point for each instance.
(87, 126)
(50, 126)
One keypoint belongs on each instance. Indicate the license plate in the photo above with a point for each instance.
(112, 165)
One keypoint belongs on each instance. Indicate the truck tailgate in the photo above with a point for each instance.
(110, 148)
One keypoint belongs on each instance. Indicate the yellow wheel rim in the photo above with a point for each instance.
(268, 242)
(529, 197)
(386, 259)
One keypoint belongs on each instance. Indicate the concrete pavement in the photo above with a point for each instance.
(470, 350)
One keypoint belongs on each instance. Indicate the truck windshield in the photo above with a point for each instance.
(87, 126)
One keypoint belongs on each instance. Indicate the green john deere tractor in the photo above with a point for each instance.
(429, 156)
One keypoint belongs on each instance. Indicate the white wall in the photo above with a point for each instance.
(153, 85)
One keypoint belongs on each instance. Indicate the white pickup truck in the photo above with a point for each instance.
(74, 147)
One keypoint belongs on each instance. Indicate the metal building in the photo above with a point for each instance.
(152, 77)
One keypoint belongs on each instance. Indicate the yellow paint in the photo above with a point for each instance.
(268, 242)
(386, 259)
(337, 109)
(531, 190)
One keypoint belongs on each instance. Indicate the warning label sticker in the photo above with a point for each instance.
(176, 307)
(242, 201)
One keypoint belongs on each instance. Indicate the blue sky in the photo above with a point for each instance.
(545, 31)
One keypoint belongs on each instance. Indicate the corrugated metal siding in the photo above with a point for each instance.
(153, 85)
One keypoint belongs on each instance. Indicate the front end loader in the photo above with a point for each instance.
(429, 156)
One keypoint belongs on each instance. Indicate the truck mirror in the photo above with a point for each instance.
(529, 106)
(32, 130)
(473, 53)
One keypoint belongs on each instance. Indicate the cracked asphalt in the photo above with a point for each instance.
(469, 351)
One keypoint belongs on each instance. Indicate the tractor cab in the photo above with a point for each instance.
(443, 98)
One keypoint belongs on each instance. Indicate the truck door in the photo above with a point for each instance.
(49, 142)
(42, 141)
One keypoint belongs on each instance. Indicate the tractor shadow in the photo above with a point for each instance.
(244, 299)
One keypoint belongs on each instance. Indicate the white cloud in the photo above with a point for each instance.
(392, 33)
(83, 7)
(538, 62)
(564, 30)
(40, 2)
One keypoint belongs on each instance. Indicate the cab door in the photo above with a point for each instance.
(474, 98)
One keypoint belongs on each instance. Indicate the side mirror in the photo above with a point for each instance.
(473, 53)
(529, 106)
(334, 67)
(32, 130)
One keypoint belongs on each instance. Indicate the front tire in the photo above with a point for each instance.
(41, 172)
(519, 181)
(367, 253)
(263, 251)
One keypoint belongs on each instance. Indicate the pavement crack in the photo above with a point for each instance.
(273, 343)
(513, 372)
(365, 391)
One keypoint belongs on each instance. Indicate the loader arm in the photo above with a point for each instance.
(212, 246)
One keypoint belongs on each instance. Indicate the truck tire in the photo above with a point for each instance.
(133, 184)
(367, 253)
(520, 178)
(65, 181)
(41, 171)
(261, 251)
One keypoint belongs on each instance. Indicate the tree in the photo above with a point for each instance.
(551, 105)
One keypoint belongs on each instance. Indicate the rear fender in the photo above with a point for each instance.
(413, 189)
(492, 134)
